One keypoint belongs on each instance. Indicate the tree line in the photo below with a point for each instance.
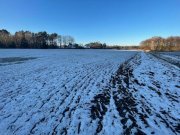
(96, 45)
(132, 47)
(44, 40)
(41, 40)
(161, 44)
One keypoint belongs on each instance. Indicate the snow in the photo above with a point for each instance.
(111, 121)
(53, 92)
(171, 57)
(87, 92)
(158, 92)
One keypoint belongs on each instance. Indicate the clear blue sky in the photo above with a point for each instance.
(111, 21)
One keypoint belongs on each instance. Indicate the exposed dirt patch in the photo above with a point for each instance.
(136, 112)
(14, 60)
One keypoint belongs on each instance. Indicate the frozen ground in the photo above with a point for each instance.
(177, 53)
(87, 92)
(171, 57)
(53, 93)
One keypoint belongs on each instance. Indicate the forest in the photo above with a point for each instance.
(44, 40)
(27, 39)
(161, 44)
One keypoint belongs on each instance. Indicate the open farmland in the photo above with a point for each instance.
(87, 92)
(171, 57)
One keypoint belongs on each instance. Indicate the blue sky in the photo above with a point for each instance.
(124, 22)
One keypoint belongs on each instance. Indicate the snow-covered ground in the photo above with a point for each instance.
(176, 53)
(171, 57)
(87, 92)
(52, 92)
(154, 85)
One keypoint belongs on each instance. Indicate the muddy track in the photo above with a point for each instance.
(124, 101)
(134, 109)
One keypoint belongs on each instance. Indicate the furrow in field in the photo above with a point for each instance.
(53, 96)
(141, 99)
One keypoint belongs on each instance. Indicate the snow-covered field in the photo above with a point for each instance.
(171, 57)
(52, 93)
(87, 92)
(177, 53)
(153, 89)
